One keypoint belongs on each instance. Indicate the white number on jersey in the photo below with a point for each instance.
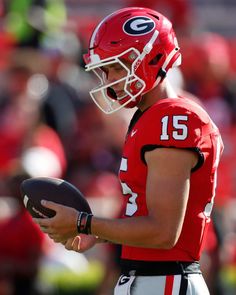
(181, 130)
(131, 206)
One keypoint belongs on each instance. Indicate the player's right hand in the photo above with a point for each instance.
(80, 243)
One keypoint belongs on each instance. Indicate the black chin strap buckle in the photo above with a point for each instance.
(161, 73)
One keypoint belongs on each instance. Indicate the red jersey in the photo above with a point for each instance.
(179, 123)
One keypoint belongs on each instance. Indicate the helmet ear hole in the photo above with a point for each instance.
(155, 60)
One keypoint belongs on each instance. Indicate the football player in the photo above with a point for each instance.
(168, 169)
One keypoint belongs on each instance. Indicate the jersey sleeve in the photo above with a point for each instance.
(173, 125)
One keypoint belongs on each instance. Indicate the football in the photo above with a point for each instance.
(35, 189)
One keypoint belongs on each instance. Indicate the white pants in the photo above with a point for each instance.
(191, 284)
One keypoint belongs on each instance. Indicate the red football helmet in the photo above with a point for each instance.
(143, 43)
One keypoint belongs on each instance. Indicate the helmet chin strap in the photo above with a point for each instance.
(162, 72)
(146, 50)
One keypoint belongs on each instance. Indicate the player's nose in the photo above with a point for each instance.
(112, 76)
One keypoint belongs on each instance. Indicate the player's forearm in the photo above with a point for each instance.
(134, 231)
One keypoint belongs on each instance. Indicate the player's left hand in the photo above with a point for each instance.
(62, 226)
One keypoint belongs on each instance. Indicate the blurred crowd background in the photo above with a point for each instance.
(49, 126)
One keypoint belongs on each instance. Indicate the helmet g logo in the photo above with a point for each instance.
(139, 25)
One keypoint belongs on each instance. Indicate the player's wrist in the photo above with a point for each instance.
(84, 223)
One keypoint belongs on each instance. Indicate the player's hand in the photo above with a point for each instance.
(62, 226)
(80, 243)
